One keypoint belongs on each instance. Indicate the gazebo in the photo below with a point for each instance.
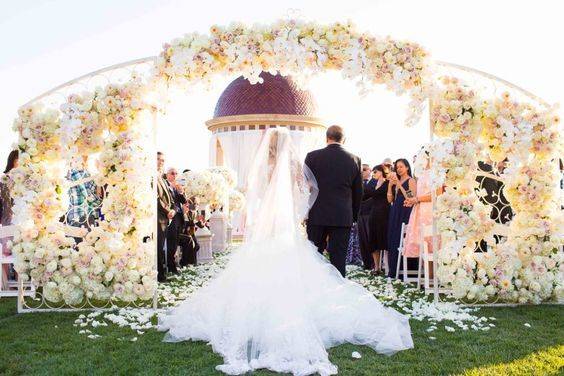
(244, 112)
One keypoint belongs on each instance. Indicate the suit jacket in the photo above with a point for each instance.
(178, 198)
(165, 203)
(366, 204)
(340, 186)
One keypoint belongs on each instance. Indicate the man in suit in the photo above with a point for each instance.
(165, 212)
(177, 221)
(339, 179)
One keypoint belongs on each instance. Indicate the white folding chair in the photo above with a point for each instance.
(425, 258)
(11, 288)
(400, 249)
(402, 258)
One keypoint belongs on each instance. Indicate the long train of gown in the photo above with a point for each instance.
(279, 305)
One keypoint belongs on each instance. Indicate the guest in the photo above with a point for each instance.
(165, 212)
(6, 204)
(366, 173)
(188, 240)
(487, 183)
(378, 220)
(401, 186)
(177, 221)
(84, 199)
(421, 215)
(6, 201)
(502, 211)
(387, 163)
(358, 252)
(489, 188)
(363, 224)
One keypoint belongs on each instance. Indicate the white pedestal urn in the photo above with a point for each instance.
(204, 236)
(229, 232)
(205, 253)
(218, 227)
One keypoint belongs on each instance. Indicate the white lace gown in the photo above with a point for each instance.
(279, 304)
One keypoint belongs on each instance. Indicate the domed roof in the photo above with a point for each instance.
(276, 95)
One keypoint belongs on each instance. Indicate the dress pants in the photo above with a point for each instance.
(189, 250)
(335, 240)
(172, 242)
(161, 237)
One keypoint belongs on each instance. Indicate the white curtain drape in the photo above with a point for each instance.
(239, 149)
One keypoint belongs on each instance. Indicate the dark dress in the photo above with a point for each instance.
(353, 252)
(378, 221)
(363, 225)
(398, 214)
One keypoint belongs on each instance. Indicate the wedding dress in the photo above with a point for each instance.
(279, 304)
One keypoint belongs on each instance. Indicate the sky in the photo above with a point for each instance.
(45, 43)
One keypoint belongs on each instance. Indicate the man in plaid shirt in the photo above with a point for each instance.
(84, 202)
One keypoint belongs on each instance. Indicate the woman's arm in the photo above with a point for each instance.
(412, 186)
(424, 198)
(368, 192)
(389, 194)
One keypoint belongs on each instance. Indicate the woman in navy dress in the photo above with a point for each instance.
(401, 186)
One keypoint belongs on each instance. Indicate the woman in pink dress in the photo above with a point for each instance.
(422, 213)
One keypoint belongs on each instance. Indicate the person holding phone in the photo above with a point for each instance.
(401, 187)
(188, 240)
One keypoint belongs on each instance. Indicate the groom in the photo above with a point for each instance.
(339, 179)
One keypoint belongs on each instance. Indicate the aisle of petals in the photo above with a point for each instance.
(405, 298)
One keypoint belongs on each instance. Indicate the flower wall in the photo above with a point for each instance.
(528, 264)
(116, 259)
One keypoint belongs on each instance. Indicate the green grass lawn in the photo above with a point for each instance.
(50, 343)
(47, 343)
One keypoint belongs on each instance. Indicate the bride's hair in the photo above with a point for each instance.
(273, 145)
(276, 141)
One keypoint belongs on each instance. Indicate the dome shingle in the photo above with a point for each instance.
(276, 95)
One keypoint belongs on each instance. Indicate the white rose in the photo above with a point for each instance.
(51, 266)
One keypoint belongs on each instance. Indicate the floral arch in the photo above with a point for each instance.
(471, 121)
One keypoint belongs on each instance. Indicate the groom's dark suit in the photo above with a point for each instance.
(338, 175)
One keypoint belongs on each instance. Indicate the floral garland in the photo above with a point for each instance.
(455, 110)
(301, 48)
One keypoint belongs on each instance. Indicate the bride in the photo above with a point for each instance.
(279, 304)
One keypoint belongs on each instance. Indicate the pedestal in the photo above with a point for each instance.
(229, 233)
(204, 237)
(218, 227)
